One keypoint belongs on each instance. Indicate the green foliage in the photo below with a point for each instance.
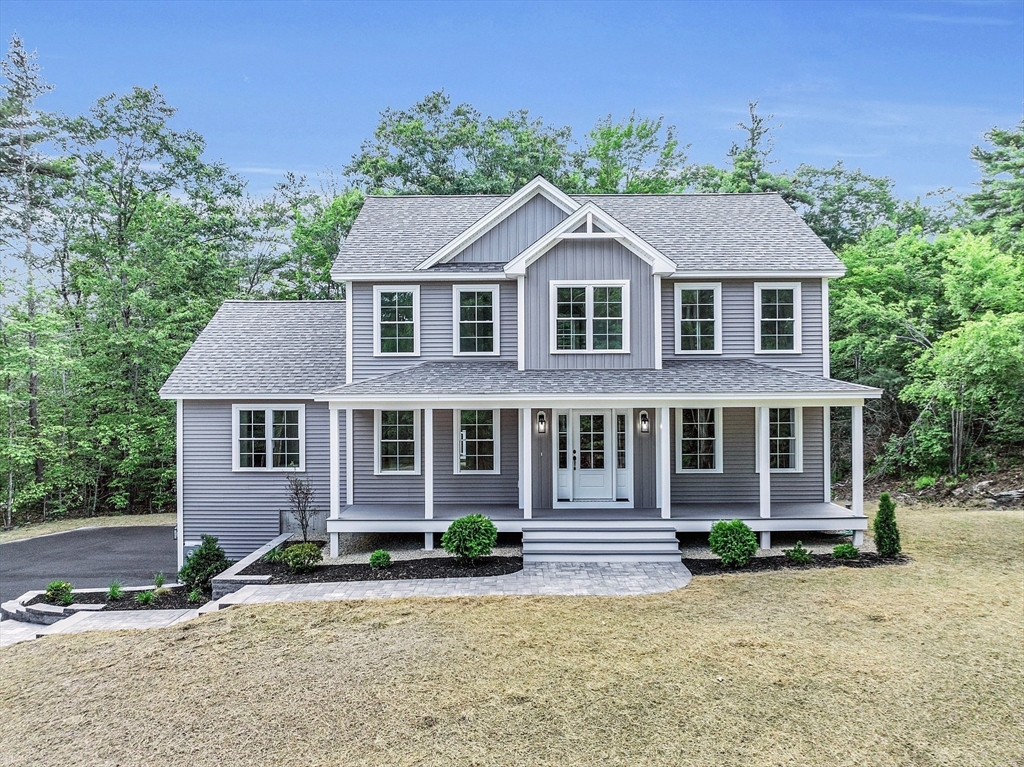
(204, 563)
(195, 596)
(999, 204)
(845, 551)
(159, 580)
(302, 557)
(733, 541)
(145, 597)
(469, 538)
(798, 555)
(887, 534)
(274, 556)
(380, 559)
(923, 483)
(115, 591)
(59, 593)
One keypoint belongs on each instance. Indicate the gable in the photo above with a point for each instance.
(512, 235)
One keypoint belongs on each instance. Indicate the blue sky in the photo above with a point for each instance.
(898, 89)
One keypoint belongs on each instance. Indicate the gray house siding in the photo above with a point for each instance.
(738, 326)
(645, 461)
(542, 447)
(368, 487)
(450, 487)
(436, 327)
(514, 234)
(589, 260)
(242, 509)
(738, 482)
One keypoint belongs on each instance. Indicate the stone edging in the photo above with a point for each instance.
(229, 581)
(46, 614)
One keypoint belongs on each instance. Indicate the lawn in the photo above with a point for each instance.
(920, 664)
(64, 525)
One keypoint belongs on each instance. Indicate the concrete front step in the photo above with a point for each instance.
(584, 542)
(598, 533)
(595, 557)
(585, 547)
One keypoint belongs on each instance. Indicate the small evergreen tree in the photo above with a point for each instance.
(887, 535)
(203, 564)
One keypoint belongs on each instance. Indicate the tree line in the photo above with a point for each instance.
(120, 240)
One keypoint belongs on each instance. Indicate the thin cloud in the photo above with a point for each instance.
(262, 171)
(932, 18)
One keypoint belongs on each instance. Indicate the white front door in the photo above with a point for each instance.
(593, 456)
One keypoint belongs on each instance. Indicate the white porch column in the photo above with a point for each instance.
(857, 459)
(764, 462)
(526, 470)
(350, 491)
(664, 463)
(335, 472)
(428, 463)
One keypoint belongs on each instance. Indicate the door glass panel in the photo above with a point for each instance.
(563, 442)
(591, 442)
(620, 441)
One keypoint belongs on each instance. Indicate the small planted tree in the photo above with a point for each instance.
(470, 538)
(301, 498)
(887, 534)
(733, 541)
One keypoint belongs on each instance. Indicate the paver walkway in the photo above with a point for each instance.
(541, 578)
(12, 632)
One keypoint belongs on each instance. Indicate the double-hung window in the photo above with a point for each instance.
(698, 440)
(777, 317)
(397, 439)
(396, 322)
(698, 318)
(589, 317)
(785, 439)
(476, 441)
(476, 320)
(269, 437)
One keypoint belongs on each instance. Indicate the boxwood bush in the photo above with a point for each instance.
(302, 557)
(733, 541)
(380, 559)
(470, 538)
(845, 551)
(203, 564)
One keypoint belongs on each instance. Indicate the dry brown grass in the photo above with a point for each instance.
(64, 525)
(913, 665)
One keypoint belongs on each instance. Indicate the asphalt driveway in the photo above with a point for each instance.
(89, 558)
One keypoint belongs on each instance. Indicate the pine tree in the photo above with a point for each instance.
(887, 535)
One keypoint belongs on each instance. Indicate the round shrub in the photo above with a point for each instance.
(470, 538)
(59, 593)
(887, 534)
(380, 559)
(203, 564)
(733, 541)
(798, 555)
(845, 551)
(302, 557)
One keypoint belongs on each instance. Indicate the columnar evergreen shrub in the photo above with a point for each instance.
(887, 534)
(733, 541)
(470, 538)
(203, 564)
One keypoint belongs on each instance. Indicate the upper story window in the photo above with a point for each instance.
(777, 317)
(397, 441)
(269, 437)
(589, 317)
(476, 320)
(698, 440)
(785, 439)
(477, 441)
(698, 318)
(396, 323)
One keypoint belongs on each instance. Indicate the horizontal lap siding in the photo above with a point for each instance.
(242, 509)
(436, 327)
(809, 485)
(373, 488)
(589, 260)
(450, 487)
(738, 326)
(515, 234)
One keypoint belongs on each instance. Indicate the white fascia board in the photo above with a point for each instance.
(442, 276)
(465, 401)
(660, 264)
(748, 274)
(539, 185)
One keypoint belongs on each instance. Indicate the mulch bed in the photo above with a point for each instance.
(405, 569)
(174, 599)
(762, 564)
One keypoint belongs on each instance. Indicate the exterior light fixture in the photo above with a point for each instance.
(645, 423)
(542, 423)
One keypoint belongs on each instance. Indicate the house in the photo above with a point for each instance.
(597, 372)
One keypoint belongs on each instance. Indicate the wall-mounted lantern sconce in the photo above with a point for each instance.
(645, 423)
(542, 423)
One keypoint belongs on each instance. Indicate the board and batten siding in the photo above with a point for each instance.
(514, 234)
(645, 460)
(738, 481)
(450, 487)
(589, 260)
(243, 509)
(436, 327)
(738, 326)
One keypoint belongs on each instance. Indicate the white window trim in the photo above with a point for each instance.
(679, 288)
(495, 291)
(457, 440)
(718, 442)
(797, 316)
(376, 442)
(415, 290)
(798, 417)
(235, 462)
(553, 287)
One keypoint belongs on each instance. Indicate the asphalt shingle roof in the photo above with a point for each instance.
(700, 232)
(253, 348)
(677, 377)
